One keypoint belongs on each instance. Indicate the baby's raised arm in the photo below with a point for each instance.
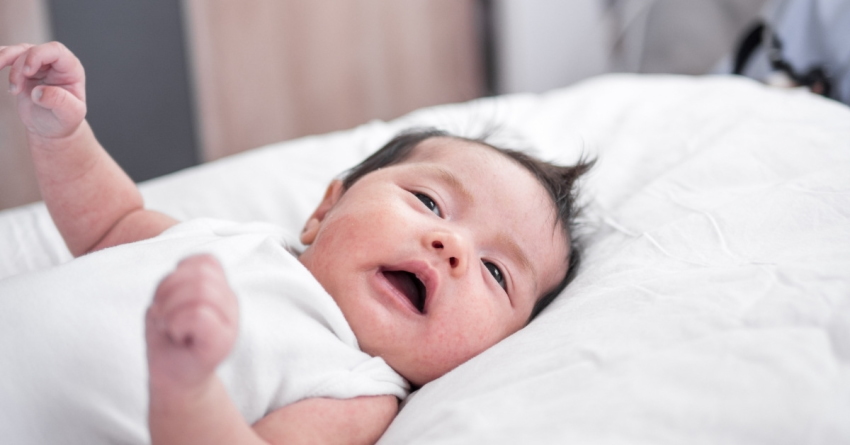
(93, 203)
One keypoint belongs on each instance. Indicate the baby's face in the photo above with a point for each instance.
(435, 259)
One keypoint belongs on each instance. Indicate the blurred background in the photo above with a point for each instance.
(173, 83)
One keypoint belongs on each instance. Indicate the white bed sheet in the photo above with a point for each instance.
(713, 305)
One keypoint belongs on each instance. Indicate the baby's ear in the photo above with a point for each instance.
(311, 228)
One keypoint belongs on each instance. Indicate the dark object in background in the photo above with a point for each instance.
(137, 83)
(800, 43)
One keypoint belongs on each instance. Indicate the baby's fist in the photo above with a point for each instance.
(192, 324)
(49, 83)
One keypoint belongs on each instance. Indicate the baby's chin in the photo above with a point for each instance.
(417, 381)
(423, 364)
(420, 374)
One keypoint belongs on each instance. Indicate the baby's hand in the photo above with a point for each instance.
(49, 83)
(192, 324)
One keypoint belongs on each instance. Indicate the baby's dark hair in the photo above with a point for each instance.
(559, 182)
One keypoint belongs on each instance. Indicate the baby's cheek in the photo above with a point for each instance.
(462, 341)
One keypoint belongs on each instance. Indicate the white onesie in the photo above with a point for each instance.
(72, 351)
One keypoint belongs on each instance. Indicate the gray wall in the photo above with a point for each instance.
(136, 79)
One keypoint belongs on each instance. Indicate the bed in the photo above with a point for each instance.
(713, 303)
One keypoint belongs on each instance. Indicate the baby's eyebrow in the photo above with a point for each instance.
(454, 182)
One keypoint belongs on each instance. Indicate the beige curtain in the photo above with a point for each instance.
(20, 21)
(270, 70)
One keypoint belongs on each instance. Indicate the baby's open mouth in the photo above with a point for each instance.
(410, 286)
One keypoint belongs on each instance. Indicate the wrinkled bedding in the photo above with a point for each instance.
(713, 303)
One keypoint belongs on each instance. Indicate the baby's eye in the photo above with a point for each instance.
(497, 273)
(432, 206)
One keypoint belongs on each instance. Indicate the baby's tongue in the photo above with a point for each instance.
(405, 282)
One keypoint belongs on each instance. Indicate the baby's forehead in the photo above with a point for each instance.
(477, 158)
(472, 157)
(432, 148)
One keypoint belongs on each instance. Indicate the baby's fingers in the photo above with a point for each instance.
(187, 345)
(10, 54)
(64, 105)
(51, 64)
(199, 328)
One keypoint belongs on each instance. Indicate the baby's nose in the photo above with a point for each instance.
(450, 247)
(437, 245)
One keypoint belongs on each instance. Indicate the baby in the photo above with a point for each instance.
(429, 252)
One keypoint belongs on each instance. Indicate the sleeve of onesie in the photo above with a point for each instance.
(373, 377)
(294, 341)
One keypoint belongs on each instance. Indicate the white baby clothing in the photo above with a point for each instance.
(72, 352)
